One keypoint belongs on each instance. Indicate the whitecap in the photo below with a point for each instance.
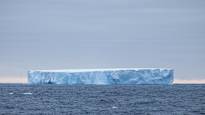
(27, 93)
(114, 107)
(11, 93)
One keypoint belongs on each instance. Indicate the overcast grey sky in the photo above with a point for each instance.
(65, 34)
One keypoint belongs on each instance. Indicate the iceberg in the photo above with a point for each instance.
(102, 76)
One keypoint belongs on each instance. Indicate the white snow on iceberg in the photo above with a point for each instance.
(102, 76)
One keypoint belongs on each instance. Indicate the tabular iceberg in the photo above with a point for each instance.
(102, 76)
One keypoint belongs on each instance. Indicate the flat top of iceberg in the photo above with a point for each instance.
(103, 69)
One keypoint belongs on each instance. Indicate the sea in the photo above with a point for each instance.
(177, 99)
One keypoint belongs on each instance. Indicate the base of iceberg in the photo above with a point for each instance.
(102, 76)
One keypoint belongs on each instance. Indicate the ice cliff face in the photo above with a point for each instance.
(102, 76)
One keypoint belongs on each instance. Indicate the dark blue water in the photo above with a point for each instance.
(102, 100)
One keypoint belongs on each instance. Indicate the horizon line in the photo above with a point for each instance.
(24, 80)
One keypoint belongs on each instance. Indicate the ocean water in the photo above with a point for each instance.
(102, 100)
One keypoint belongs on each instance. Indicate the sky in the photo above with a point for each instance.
(76, 34)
